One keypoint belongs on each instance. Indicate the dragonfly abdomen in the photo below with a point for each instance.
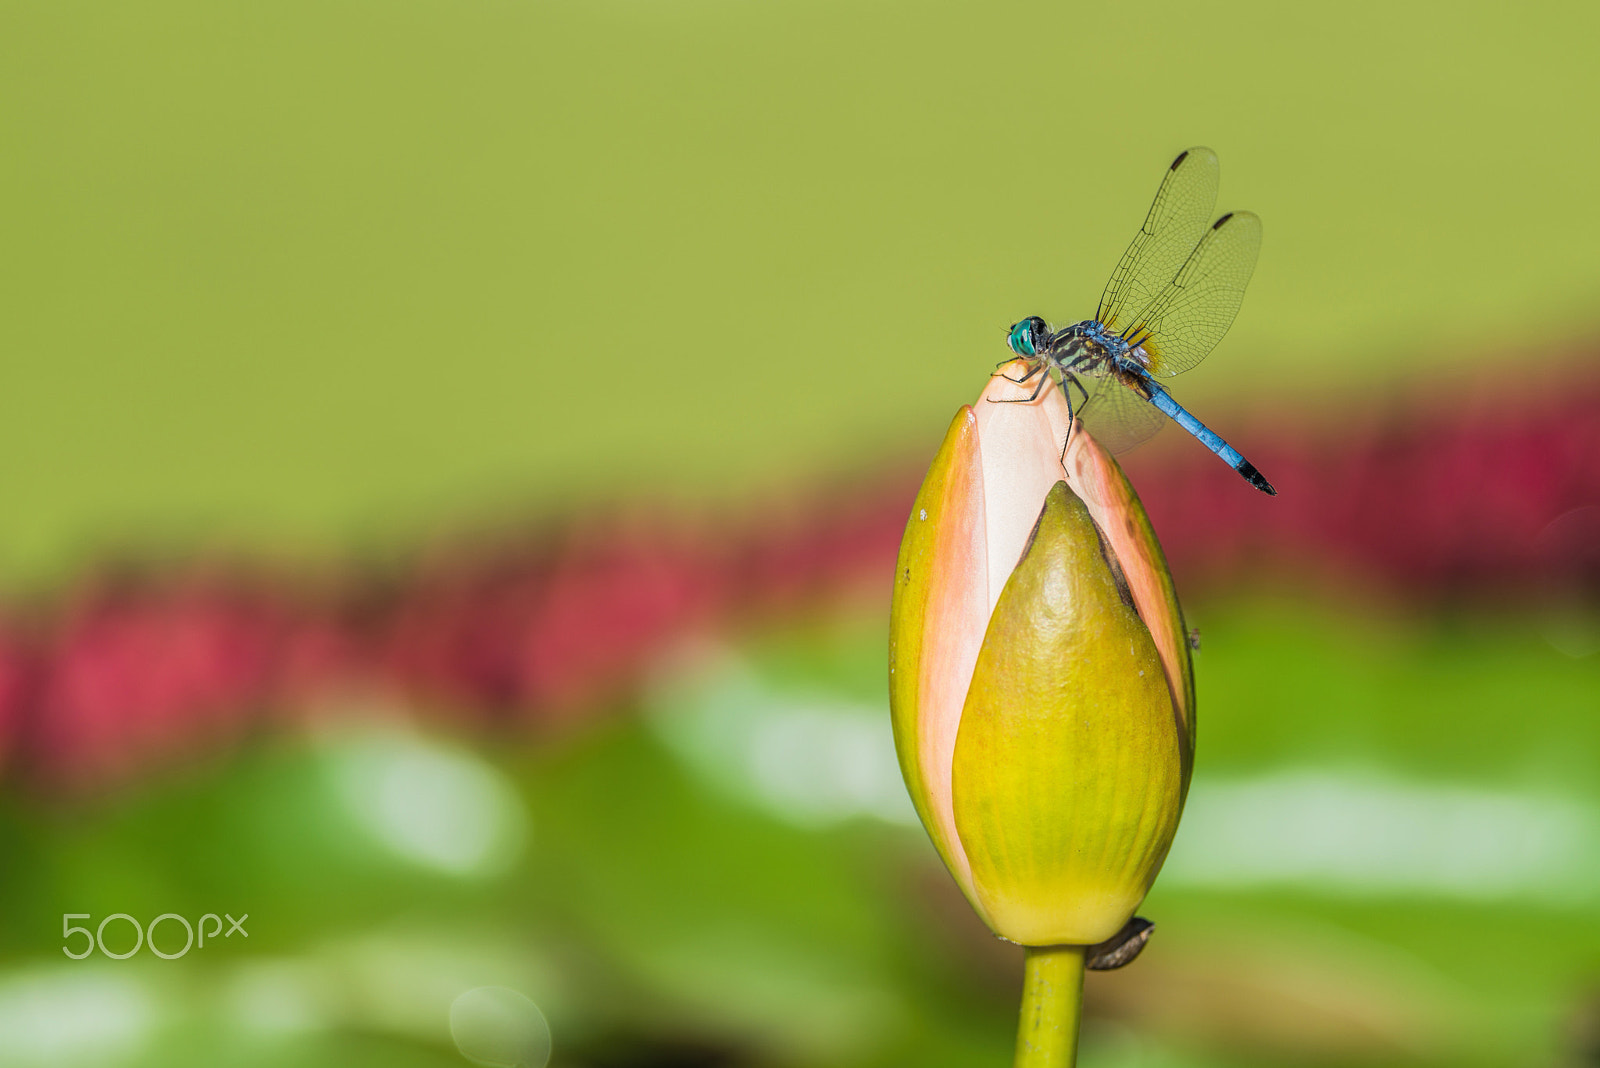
(1206, 436)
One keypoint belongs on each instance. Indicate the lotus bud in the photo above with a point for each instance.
(1040, 680)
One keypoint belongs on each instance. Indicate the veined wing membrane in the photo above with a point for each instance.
(1184, 323)
(1116, 416)
(1176, 221)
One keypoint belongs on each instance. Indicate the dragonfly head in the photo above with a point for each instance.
(1029, 337)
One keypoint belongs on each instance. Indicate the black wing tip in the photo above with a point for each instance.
(1255, 478)
(1218, 224)
(1192, 150)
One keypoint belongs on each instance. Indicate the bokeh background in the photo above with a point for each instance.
(452, 456)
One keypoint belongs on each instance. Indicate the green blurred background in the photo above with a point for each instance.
(303, 280)
(322, 271)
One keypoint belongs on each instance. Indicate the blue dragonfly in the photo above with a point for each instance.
(1170, 300)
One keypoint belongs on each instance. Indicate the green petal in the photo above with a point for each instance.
(1097, 478)
(1067, 775)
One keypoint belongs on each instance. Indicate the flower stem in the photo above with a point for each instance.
(1052, 995)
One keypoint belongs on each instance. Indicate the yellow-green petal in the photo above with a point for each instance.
(1067, 777)
(936, 626)
(1096, 477)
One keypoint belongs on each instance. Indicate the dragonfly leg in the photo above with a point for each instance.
(1044, 381)
(1068, 380)
(1019, 381)
(1081, 389)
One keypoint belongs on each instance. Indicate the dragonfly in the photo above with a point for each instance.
(1171, 298)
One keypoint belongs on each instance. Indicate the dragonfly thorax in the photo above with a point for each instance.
(1100, 339)
(1087, 348)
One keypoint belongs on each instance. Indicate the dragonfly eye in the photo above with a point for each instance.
(1027, 337)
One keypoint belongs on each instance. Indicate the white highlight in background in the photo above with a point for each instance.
(438, 807)
(73, 1014)
(807, 756)
(1353, 833)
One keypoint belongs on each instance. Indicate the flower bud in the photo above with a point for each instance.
(1040, 682)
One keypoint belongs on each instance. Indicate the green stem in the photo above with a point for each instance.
(1052, 995)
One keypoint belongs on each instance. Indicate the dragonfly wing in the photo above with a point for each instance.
(1116, 416)
(1185, 322)
(1177, 220)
